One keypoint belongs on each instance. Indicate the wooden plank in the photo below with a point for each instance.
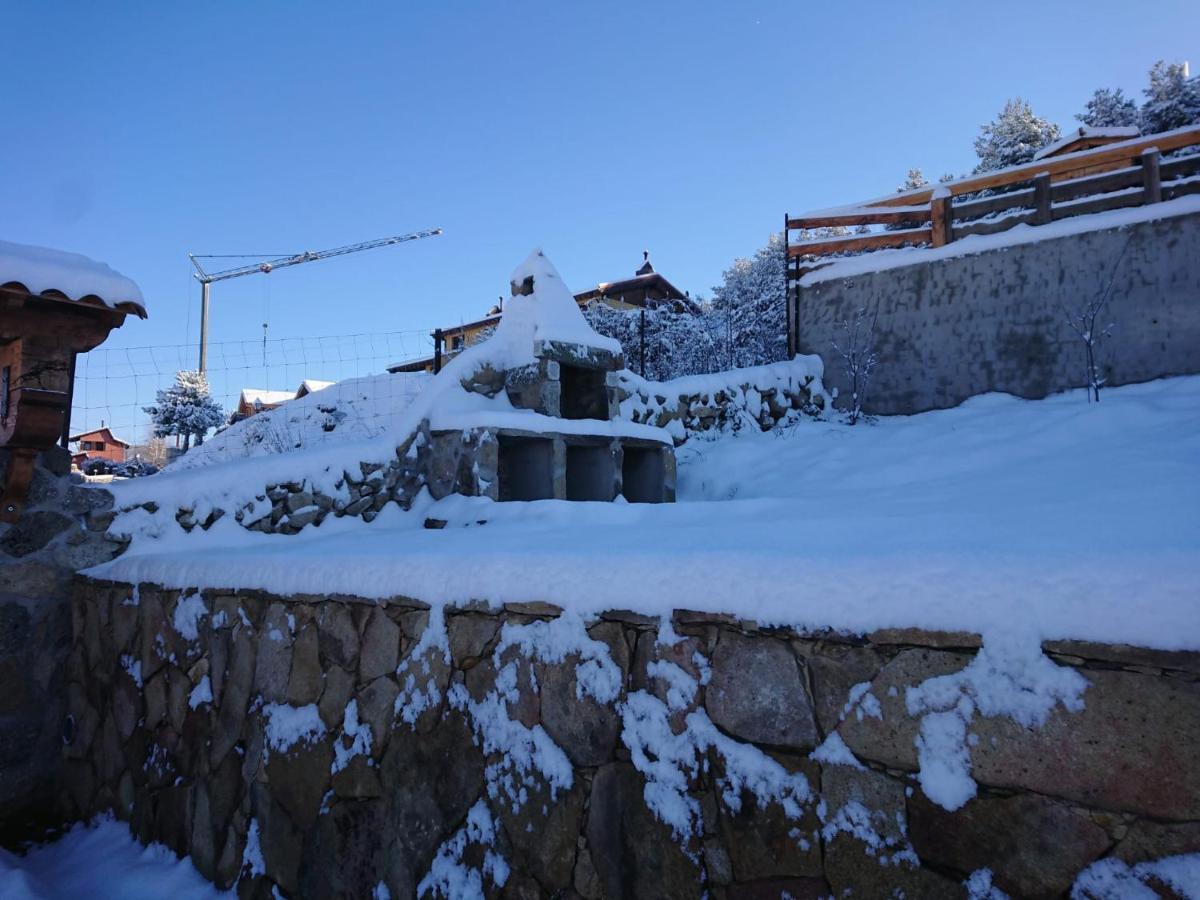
(1097, 184)
(1102, 203)
(1171, 169)
(1042, 214)
(863, 242)
(1059, 167)
(993, 226)
(1151, 185)
(941, 223)
(1180, 189)
(973, 209)
(872, 217)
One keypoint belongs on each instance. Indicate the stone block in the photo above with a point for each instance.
(470, 635)
(299, 778)
(380, 648)
(1146, 841)
(834, 670)
(344, 854)
(306, 679)
(586, 730)
(1034, 846)
(543, 833)
(338, 637)
(756, 693)
(764, 842)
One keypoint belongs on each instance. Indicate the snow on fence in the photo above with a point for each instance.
(113, 387)
(1118, 175)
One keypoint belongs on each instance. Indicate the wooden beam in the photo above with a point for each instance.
(865, 217)
(863, 242)
(1059, 167)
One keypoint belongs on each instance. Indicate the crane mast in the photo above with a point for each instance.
(206, 279)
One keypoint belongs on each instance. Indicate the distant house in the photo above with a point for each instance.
(99, 444)
(255, 400)
(646, 288)
(1085, 137)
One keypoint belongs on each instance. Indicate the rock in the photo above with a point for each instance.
(173, 817)
(586, 879)
(1147, 841)
(470, 636)
(306, 679)
(359, 780)
(424, 812)
(380, 646)
(764, 842)
(344, 854)
(299, 778)
(480, 680)
(297, 501)
(33, 531)
(15, 626)
(918, 637)
(880, 795)
(1127, 655)
(756, 693)
(853, 872)
(538, 609)
(236, 695)
(1034, 846)
(634, 854)
(1097, 756)
(339, 687)
(835, 669)
(543, 834)
(586, 730)
(274, 665)
(280, 840)
(891, 740)
(204, 851)
(377, 710)
(778, 888)
(338, 636)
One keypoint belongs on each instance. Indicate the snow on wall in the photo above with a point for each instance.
(43, 269)
(694, 742)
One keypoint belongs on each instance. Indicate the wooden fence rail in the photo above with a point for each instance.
(1123, 174)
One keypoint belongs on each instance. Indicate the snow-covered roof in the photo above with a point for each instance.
(251, 396)
(311, 385)
(41, 270)
(1114, 133)
(547, 313)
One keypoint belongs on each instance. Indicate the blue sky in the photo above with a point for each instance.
(139, 132)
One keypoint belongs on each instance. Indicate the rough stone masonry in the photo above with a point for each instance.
(327, 745)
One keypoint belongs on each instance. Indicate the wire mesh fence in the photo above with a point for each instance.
(283, 394)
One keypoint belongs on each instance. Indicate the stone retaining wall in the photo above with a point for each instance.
(60, 530)
(327, 745)
(951, 328)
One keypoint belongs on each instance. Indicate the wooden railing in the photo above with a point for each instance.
(1128, 173)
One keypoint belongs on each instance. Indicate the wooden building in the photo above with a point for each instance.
(646, 289)
(100, 443)
(53, 305)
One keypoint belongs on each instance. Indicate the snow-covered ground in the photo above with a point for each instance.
(1058, 517)
(101, 862)
(356, 409)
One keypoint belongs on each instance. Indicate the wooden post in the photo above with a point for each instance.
(1043, 212)
(941, 218)
(1151, 182)
(437, 351)
(787, 290)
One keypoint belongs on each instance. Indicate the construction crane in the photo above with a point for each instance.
(266, 268)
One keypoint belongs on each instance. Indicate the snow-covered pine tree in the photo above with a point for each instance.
(751, 300)
(186, 408)
(1172, 98)
(1013, 137)
(913, 180)
(1109, 109)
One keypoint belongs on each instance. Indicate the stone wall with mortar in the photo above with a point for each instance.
(997, 321)
(472, 741)
(61, 529)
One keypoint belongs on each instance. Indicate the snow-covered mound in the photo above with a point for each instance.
(43, 269)
(352, 410)
(1059, 517)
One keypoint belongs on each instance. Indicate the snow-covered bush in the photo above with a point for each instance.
(133, 468)
(186, 408)
(1013, 137)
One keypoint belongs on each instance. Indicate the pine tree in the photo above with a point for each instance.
(751, 299)
(186, 408)
(1013, 137)
(1172, 99)
(915, 179)
(1109, 109)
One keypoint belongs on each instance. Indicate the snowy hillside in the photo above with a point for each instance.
(1059, 517)
(352, 410)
